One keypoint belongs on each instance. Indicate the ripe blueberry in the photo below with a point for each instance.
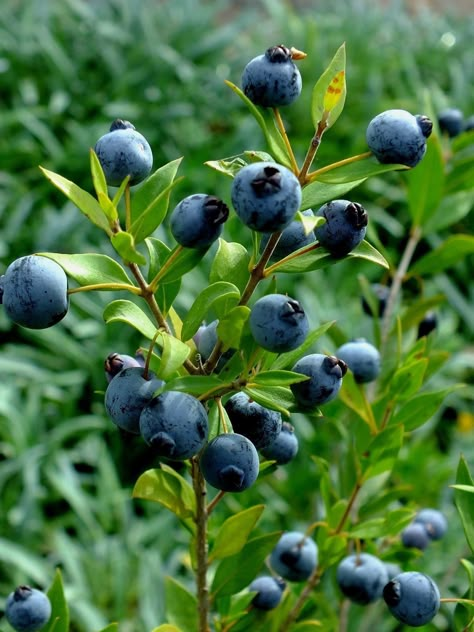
(124, 152)
(451, 121)
(230, 462)
(325, 379)
(398, 137)
(115, 362)
(278, 323)
(284, 447)
(361, 577)
(292, 238)
(175, 425)
(433, 521)
(266, 196)
(205, 339)
(248, 418)
(27, 609)
(198, 220)
(345, 226)
(272, 79)
(362, 358)
(428, 324)
(415, 536)
(35, 292)
(413, 598)
(269, 592)
(127, 394)
(469, 124)
(295, 556)
(381, 294)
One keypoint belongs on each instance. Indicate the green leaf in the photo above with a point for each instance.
(59, 620)
(173, 354)
(183, 260)
(425, 183)
(317, 192)
(453, 250)
(168, 488)
(288, 359)
(90, 269)
(230, 327)
(229, 166)
(464, 488)
(231, 264)
(329, 93)
(235, 573)
(235, 531)
(264, 118)
(408, 379)
(391, 525)
(158, 252)
(124, 244)
(181, 605)
(204, 302)
(464, 501)
(85, 202)
(166, 627)
(413, 314)
(382, 452)
(451, 210)
(120, 191)
(100, 186)
(278, 378)
(195, 384)
(277, 398)
(420, 408)
(151, 207)
(307, 626)
(361, 169)
(127, 312)
(113, 627)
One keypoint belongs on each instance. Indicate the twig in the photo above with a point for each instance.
(202, 590)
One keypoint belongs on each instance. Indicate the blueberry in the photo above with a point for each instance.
(469, 124)
(361, 577)
(27, 609)
(272, 79)
(127, 394)
(124, 152)
(292, 238)
(362, 358)
(345, 226)
(381, 294)
(284, 447)
(257, 423)
(115, 362)
(451, 121)
(198, 220)
(269, 592)
(415, 536)
(230, 462)
(398, 137)
(433, 521)
(413, 598)
(278, 323)
(35, 292)
(295, 556)
(2, 280)
(266, 196)
(428, 324)
(175, 425)
(205, 339)
(325, 379)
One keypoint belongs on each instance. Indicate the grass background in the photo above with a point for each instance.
(67, 69)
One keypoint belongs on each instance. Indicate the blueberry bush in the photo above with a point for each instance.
(245, 355)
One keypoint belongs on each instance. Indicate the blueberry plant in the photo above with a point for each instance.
(213, 391)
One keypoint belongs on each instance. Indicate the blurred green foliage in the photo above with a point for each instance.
(67, 69)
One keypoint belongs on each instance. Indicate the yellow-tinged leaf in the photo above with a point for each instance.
(335, 91)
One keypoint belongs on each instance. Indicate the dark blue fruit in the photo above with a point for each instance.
(230, 462)
(433, 521)
(427, 324)
(362, 358)
(284, 447)
(398, 137)
(325, 379)
(295, 556)
(413, 598)
(127, 394)
(115, 362)
(205, 339)
(272, 79)
(415, 536)
(175, 425)
(292, 238)
(451, 122)
(361, 577)
(198, 220)
(278, 323)
(469, 124)
(380, 293)
(35, 292)
(27, 609)
(269, 592)
(124, 152)
(252, 420)
(266, 196)
(345, 226)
